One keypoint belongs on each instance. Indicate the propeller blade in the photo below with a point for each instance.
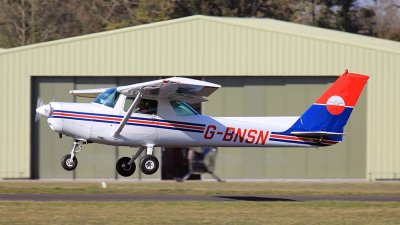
(39, 102)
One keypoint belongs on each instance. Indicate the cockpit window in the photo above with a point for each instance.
(183, 109)
(146, 106)
(108, 98)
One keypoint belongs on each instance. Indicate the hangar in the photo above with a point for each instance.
(266, 67)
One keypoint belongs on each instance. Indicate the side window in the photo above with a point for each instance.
(183, 109)
(146, 106)
(128, 103)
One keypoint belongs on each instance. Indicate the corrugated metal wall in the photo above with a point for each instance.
(383, 118)
(206, 46)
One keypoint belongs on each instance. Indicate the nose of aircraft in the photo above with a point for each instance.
(44, 110)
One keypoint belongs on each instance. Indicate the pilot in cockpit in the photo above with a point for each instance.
(147, 106)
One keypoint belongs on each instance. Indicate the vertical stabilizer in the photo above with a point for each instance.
(330, 112)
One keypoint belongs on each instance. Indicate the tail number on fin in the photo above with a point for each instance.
(238, 135)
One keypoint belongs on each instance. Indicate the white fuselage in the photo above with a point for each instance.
(97, 123)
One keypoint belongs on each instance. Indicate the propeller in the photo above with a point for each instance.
(39, 103)
(42, 109)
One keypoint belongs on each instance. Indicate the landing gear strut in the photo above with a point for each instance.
(70, 162)
(148, 164)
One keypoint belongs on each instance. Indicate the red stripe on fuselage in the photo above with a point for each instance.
(139, 121)
(72, 115)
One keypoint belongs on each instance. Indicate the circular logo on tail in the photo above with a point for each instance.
(335, 105)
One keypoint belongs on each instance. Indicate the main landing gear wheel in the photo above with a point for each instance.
(69, 164)
(149, 164)
(123, 168)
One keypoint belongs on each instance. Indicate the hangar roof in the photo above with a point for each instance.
(315, 33)
(207, 46)
(266, 24)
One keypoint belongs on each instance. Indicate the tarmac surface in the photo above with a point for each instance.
(133, 198)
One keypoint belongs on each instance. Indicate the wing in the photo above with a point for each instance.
(88, 93)
(175, 88)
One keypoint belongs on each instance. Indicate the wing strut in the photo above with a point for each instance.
(129, 113)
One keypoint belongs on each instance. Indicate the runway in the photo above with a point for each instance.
(133, 198)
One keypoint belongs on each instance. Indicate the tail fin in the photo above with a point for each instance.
(329, 114)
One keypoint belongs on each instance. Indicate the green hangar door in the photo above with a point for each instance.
(47, 149)
(285, 96)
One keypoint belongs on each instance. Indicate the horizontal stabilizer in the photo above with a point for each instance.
(318, 134)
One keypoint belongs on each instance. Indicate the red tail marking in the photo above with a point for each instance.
(347, 87)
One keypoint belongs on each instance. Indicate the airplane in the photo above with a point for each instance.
(157, 114)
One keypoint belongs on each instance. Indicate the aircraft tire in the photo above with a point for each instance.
(67, 164)
(123, 168)
(149, 164)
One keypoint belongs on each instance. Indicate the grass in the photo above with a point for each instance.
(202, 212)
(199, 213)
(205, 188)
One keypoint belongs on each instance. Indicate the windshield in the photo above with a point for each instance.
(183, 109)
(108, 98)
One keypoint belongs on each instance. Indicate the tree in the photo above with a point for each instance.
(25, 22)
(387, 20)
(17, 23)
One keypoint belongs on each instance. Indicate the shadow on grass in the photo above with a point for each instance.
(256, 199)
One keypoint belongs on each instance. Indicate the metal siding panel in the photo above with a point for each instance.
(356, 157)
(275, 163)
(230, 163)
(225, 52)
(383, 120)
(3, 114)
(20, 168)
(396, 112)
(8, 122)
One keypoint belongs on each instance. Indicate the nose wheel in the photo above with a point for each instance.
(148, 164)
(70, 162)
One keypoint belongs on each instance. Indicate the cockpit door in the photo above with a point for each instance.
(142, 123)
